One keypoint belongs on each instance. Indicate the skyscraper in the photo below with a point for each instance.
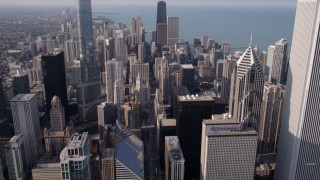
(3, 119)
(227, 150)
(54, 78)
(299, 147)
(57, 115)
(187, 76)
(113, 74)
(161, 12)
(228, 66)
(75, 158)
(20, 83)
(26, 121)
(174, 161)
(90, 71)
(247, 89)
(280, 60)
(172, 30)
(16, 158)
(270, 118)
(268, 70)
(161, 25)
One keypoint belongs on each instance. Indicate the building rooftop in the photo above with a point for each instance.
(187, 66)
(225, 126)
(168, 122)
(174, 150)
(196, 97)
(78, 140)
(23, 97)
(129, 149)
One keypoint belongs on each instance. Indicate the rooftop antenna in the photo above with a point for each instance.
(250, 40)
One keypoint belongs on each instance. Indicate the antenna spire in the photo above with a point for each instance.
(250, 40)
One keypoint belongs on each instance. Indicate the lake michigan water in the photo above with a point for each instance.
(228, 23)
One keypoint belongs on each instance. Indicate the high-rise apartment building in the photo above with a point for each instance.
(270, 118)
(16, 158)
(54, 78)
(88, 92)
(247, 89)
(174, 160)
(280, 61)
(26, 121)
(227, 150)
(299, 148)
(172, 30)
(75, 158)
(20, 83)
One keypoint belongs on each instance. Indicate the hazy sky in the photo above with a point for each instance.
(72, 2)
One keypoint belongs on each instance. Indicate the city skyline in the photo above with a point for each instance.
(147, 2)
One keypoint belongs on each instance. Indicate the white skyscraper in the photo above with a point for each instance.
(280, 60)
(227, 150)
(75, 158)
(247, 89)
(299, 145)
(26, 121)
(174, 160)
(172, 30)
(16, 158)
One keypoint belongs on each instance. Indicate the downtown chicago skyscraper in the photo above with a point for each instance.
(299, 146)
(89, 87)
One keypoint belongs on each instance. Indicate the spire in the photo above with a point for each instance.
(250, 40)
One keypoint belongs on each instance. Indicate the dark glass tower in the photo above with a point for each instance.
(2, 102)
(161, 12)
(89, 87)
(161, 23)
(20, 83)
(54, 78)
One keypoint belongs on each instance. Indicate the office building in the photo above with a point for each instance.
(280, 61)
(54, 78)
(113, 74)
(299, 149)
(20, 83)
(47, 169)
(264, 58)
(90, 70)
(174, 161)
(189, 112)
(268, 71)
(228, 66)
(75, 158)
(270, 118)
(25, 116)
(187, 74)
(57, 115)
(164, 81)
(225, 47)
(107, 164)
(55, 141)
(107, 114)
(247, 89)
(129, 154)
(16, 158)
(162, 34)
(71, 51)
(172, 30)
(141, 69)
(161, 26)
(227, 150)
(3, 116)
(141, 53)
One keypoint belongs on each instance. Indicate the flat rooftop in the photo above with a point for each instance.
(196, 98)
(77, 141)
(173, 145)
(168, 122)
(23, 97)
(187, 66)
(217, 127)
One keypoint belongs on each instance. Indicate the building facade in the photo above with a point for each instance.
(174, 160)
(172, 30)
(227, 150)
(299, 149)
